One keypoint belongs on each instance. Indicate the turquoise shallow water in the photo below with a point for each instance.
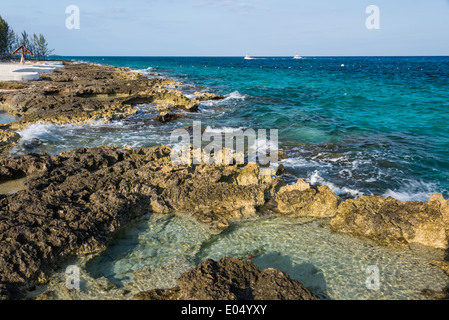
(378, 125)
(154, 251)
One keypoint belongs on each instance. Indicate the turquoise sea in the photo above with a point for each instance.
(377, 125)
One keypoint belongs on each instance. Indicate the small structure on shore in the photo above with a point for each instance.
(23, 51)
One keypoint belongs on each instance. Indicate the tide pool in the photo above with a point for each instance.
(155, 250)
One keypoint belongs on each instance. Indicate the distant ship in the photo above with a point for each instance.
(297, 56)
(248, 57)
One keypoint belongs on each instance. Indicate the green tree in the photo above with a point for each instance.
(6, 38)
(9, 41)
(12, 41)
(34, 45)
(24, 40)
(40, 46)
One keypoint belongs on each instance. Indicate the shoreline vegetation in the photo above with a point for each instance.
(73, 203)
(10, 40)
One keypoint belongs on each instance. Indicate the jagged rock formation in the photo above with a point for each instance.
(302, 200)
(8, 138)
(392, 222)
(231, 279)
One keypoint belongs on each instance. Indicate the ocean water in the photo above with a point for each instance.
(375, 126)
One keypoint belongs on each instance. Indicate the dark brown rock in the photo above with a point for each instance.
(276, 285)
(232, 279)
(166, 117)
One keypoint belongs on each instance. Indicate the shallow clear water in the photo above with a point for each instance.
(12, 186)
(6, 117)
(154, 251)
(379, 125)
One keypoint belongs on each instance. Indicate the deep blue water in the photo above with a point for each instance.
(378, 125)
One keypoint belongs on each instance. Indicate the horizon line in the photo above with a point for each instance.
(238, 56)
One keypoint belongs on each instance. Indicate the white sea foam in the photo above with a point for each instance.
(228, 97)
(317, 179)
(36, 130)
(302, 162)
(80, 62)
(222, 130)
(40, 130)
(87, 62)
(145, 72)
(264, 146)
(414, 191)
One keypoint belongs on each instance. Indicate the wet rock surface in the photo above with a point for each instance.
(165, 117)
(231, 279)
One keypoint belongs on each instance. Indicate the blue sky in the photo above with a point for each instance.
(236, 27)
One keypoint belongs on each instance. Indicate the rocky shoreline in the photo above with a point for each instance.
(73, 203)
(83, 93)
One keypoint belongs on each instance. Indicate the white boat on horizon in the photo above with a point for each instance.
(248, 57)
(297, 56)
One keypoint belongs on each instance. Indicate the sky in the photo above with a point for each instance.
(236, 27)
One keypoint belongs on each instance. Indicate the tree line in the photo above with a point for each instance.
(9, 41)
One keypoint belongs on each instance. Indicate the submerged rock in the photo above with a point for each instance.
(231, 279)
(204, 96)
(166, 117)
